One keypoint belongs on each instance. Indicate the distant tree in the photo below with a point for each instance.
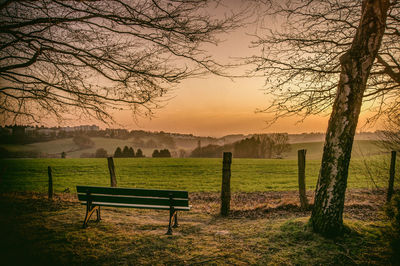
(63, 155)
(390, 137)
(273, 145)
(247, 148)
(101, 153)
(83, 141)
(259, 146)
(210, 151)
(139, 153)
(155, 154)
(281, 143)
(131, 153)
(266, 146)
(125, 152)
(118, 153)
(165, 153)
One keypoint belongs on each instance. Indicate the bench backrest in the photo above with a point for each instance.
(152, 197)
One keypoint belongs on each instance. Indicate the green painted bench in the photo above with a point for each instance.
(172, 200)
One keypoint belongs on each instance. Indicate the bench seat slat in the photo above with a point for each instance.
(137, 206)
(134, 200)
(133, 191)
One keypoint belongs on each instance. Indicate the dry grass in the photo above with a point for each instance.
(263, 228)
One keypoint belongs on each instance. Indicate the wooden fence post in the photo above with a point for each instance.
(111, 167)
(50, 191)
(301, 159)
(391, 176)
(226, 184)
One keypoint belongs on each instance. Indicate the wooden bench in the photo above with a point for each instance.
(172, 200)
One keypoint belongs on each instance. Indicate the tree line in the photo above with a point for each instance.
(129, 152)
(258, 146)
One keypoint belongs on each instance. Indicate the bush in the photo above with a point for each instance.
(161, 154)
(210, 151)
(155, 154)
(131, 153)
(165, 153)
(118, 153)
(139, 153)
(83, 142)
(101, 153)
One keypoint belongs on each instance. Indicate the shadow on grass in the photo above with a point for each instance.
(295, 243)
(35, 231)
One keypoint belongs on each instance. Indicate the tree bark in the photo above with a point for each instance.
(327, 214)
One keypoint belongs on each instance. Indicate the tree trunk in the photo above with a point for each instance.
(327, 215)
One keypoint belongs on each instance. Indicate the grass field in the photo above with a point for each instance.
(266, 224)
(194, 175)
(42, 232)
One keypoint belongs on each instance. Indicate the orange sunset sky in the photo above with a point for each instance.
(217, 106)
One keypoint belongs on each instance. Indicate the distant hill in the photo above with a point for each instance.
(361, 148)
(55, 147)
(320, 137)
(180, 145)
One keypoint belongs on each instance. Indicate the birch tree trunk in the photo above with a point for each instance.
(356, 63)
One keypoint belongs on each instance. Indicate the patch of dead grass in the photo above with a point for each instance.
(263, 228)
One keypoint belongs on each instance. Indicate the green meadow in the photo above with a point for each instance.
(262, 229)
(192, 174)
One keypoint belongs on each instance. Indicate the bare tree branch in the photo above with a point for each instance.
(300, 57)
(95, 56)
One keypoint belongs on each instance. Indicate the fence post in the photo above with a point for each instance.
(226, 184)
(111, 168)
(391, 176)
(301, 159)
(50, 191)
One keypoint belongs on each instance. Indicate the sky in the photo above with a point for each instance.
(217, 106)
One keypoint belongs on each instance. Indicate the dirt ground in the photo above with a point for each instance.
(361, 204)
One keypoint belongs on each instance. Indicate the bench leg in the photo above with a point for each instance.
(172, 214)
(89, 211)
(98, 214)
(176, 220)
